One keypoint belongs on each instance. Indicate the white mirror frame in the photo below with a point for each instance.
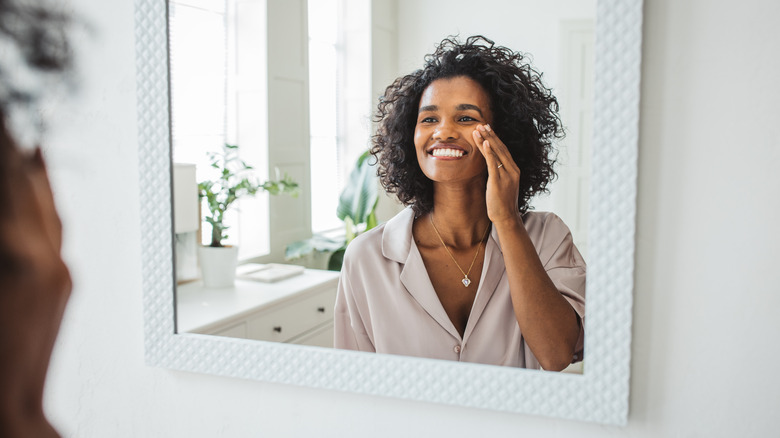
(599, 395)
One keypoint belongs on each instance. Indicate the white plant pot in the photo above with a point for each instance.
(218, 266)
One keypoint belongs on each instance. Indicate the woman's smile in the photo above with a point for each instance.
(446, 151)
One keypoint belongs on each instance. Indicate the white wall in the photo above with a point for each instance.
(705, 324)
(527, 26)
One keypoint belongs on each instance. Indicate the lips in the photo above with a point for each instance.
(446, 151)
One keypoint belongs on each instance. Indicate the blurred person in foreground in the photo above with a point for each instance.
(34, 281)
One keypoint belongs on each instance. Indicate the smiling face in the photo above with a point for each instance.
(450, 109)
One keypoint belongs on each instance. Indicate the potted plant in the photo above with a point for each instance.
(235, 181)
(357, 208)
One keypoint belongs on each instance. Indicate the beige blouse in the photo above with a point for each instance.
(386, 302)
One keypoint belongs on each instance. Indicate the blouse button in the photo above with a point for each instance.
(456, 349)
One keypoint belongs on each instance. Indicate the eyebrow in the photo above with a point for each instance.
(461, 107)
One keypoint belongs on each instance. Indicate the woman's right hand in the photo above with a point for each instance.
(503, 185)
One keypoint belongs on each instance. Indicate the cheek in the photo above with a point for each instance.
(419, 138)
(479, 160)
(478, 157)
(419, 146)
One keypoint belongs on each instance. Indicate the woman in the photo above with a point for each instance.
(34, 282)
(466, 272)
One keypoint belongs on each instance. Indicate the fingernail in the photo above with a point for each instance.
(481, 128)
(488, 127)
(478, 134)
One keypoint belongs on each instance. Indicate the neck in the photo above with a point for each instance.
(460, 213)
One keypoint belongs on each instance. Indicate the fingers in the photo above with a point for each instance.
(498, 148)
(32, 202)
(487, 151)
(39, 179)
(30, 229)
(502, 152)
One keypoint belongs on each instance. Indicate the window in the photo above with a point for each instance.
(210, 95)
(339, 100)
(324, 54)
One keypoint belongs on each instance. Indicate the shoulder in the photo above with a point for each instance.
(544, 222)
(366, 243)
(390, 240)
(547, 231)
(552, 239)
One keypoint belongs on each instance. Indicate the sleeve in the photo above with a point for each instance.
(566, 268)
(349, 331)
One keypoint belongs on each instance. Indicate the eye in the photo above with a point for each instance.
(428, 120)
(467, 119)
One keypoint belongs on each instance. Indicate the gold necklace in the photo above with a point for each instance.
(466, 282)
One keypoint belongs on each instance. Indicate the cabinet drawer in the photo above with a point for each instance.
(321, 337)
(291, 319)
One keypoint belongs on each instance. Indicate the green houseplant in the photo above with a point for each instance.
(235, 181)
(357, 208)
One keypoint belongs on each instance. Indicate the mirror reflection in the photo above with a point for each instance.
(291, 89)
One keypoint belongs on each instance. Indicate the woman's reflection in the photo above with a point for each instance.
(466, 272)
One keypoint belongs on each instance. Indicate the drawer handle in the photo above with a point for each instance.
(321, 309)
(278, 329)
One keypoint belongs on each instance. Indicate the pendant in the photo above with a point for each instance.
(466, 282)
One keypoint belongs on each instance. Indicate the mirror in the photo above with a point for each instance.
(610, 248)
(219, 93)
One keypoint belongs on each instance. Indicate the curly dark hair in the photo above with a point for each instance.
(36, 32)
(524, 109)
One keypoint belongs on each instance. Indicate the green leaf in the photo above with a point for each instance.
(336, 260)
(317, 243)
(326, 244)
(360, 195)
(298, 249)
(371, 222)
(350, 229)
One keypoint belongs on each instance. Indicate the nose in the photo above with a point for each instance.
(444, 131)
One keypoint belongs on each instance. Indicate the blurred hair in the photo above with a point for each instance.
(35, 31)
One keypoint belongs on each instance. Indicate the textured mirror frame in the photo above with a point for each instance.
(599, 395)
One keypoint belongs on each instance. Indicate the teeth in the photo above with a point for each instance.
(447, 153)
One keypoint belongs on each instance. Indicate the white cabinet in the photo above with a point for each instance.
(285, 322)
(296, 310)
